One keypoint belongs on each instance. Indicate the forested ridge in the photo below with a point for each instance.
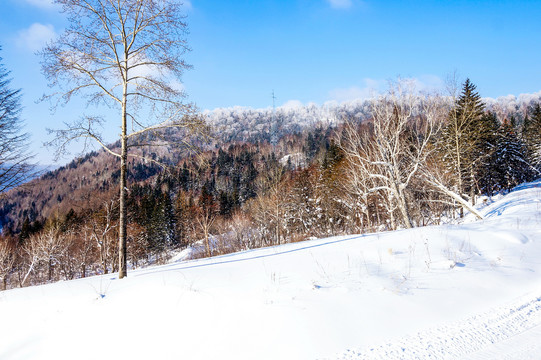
(399, 160)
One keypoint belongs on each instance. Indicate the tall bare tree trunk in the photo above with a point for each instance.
(472, 188)
(404, 210)
(50, 272)
(207, 240)
(122, 251)
(458, 163)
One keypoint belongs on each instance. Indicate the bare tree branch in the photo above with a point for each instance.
(15, 160)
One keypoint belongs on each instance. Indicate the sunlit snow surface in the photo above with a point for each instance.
(470, 291)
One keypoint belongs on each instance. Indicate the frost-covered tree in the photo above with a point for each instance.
(531, 134)
(509, 161)
(301, 210)
(268, 208)
(336, 211)
(386, 159)
(7, 260)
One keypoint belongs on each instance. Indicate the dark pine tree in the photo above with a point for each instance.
(184, 214)
(509, 159)
(531, 135)
(206, 200)
(25, 231)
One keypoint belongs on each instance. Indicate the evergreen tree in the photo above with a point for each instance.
(206, 200)
(531, 135)
(463, 141)
(226, 204)
(167, 216)
(184, 214)
(184, 178)
(300, 204)
(25, 231)
(206, 215)
(511, 166)
(314, 143)
(246, 175)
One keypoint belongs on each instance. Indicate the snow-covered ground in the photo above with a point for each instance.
(470, 291)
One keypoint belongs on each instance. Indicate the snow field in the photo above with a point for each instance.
(510, 332)
(457, 291)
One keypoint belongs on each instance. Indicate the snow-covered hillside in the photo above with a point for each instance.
(249, 124)
(469, 291)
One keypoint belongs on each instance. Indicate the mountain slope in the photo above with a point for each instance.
(87, 182)
(388, 295)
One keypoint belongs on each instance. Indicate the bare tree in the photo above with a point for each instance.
(14, 158)
(441, 180)
(84, 250)
(355, 196)
(268, 208)
(127, 55)
(385, 159)
(30, 259)
(240, 228)
(7, 260)
(206, 215)
(102, 225)
(205, 219)
(51, 246)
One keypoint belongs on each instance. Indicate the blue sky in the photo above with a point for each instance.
(308, 50)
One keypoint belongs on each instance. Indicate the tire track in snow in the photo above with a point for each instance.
(523, 346)
(517, 324)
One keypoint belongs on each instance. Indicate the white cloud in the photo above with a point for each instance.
(43, 4)
(292, 104)
(350, 93)
(368, 90)
(36, 36)
(143, 70)
(177, 85)
(428, 83)
(372, 87)
(340, 4)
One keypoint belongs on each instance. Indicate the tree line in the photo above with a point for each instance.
(419, 159)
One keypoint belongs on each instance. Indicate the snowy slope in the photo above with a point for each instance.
(470, 291)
